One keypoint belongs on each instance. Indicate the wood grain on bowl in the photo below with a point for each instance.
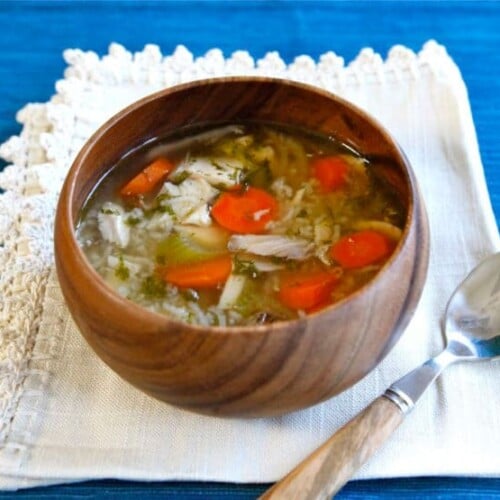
(250, 371)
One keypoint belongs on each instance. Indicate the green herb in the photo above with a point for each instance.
(162, 197)
(162, 209)
(180, 177)
(170, 211)
(132, 221)
(166, 209)
(153, 287)
(122, 271)
(216, 165)
(246, 268)
(109, 211)
(235, 176)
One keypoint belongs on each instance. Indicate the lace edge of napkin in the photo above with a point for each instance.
(52, 134)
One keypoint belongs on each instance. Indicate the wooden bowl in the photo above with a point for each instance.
(246, 371)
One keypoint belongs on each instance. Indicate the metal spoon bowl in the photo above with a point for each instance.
(472, 328)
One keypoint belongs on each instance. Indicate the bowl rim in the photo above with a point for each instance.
(67, 194)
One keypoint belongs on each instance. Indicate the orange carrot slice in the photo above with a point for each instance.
(331, 172)
(246, 211)
(146, 180)
(361, 249)
(203, 274)
(307, 291)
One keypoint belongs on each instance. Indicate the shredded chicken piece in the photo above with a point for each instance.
(217, 172)
(189, 200)
(232, 290)
(111, 223)
(272, 245)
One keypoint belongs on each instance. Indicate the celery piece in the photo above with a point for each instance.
(179, 249)
(252, 302)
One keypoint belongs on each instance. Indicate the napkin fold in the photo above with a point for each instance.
(64, 416)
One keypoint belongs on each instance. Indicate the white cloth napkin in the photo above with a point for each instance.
(64, 416)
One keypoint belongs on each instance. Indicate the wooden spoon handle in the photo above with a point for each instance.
(328, 468)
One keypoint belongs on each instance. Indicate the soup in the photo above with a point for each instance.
(241, 224)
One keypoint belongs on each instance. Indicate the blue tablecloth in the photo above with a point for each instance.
(33, 35)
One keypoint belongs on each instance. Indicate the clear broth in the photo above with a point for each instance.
(291, 265)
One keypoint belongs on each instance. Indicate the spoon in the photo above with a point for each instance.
(472, 328)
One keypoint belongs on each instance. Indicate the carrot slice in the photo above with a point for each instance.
(204, 274)
(331, 172)
(146, 180)
(246, 211)
(361, 249)
(307, 291)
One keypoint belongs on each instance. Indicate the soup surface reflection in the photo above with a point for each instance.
(241, 224)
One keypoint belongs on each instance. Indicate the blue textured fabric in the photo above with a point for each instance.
(33, 35)
(442, 488)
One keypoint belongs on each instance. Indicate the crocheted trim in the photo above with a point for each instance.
(51, 136)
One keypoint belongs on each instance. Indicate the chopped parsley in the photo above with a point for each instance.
(162, 197)
(122, 271)
(109, 211)
(216, 165)
(165, 209)
(132, 221)
(246, 268)
(153, 287)
(180, 177)
(162, 209)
